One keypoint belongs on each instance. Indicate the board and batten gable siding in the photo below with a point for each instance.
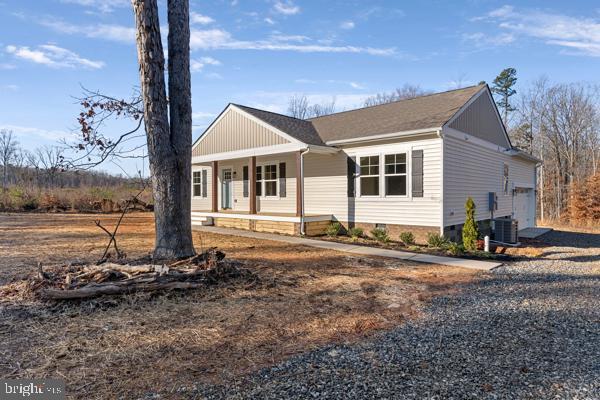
(471, 169)
(235, 131)
(480, 119)
(326, 186)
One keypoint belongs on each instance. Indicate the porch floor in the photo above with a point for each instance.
(269, 214)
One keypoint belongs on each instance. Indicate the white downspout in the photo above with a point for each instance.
(301, 177)
(442, 216)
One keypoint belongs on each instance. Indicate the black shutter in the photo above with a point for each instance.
(417, 173)
(204, 183)
(245, 176)
(282, 188)
(352, 173)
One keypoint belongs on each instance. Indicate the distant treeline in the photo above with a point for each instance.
(36, 181)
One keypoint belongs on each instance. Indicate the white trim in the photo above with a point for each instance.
(259, 217)
(257, 151)
(193, 184)
(360, 175)
(220, 183)
(470, 138)
(401, 134)
(442, 178)
(263, 151)
(523, 185)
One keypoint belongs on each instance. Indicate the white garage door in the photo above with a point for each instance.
(523, 207)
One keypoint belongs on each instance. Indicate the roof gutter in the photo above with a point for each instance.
(402, 134)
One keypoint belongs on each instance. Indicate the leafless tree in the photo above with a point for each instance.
(299, 107)
(8, 153)
(168, 124)
(407, 91)
(48, 160)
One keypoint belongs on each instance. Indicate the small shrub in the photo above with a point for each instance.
(355, 232)
(407, 238)
(380, 235)
(30, 204)
(414, 248)
(435, 240)
(470, 233)
(333, 229)
(456, 249)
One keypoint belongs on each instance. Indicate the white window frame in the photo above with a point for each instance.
(199, 171)
(360, 175)
(405, 174)
(263, 181)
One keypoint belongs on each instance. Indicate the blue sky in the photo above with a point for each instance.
(259, 53)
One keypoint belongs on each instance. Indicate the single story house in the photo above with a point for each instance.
(408, 165)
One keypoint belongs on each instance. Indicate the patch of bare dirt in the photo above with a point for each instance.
(129, 345)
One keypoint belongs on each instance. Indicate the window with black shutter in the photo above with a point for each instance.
(246, 182)
(417, 173)
(282, 176)
(351, 171)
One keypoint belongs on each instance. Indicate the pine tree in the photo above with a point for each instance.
(470, 233)
(503, 87)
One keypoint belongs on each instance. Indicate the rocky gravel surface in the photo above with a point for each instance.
(529, 330)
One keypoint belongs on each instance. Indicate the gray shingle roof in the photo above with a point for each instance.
(299, 129)
(429, 111)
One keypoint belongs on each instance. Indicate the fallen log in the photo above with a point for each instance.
(114, 289)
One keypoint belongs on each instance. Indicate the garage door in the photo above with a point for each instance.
(523, 207)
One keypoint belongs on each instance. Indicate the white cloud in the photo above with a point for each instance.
(573, 33)
(117, 33)
(480, 39)
(221, 39)
(197, 18)
(197, 65)
(356, 85)
(10, 88)
(53, 56)
(104, 6)
(28, 131)
(7, 66)
(286, 8)
(347, 25)
(269, 21)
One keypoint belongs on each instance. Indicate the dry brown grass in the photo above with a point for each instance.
(128, 346)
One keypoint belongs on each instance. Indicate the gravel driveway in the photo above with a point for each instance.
(531, 330)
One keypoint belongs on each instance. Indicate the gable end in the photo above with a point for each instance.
(232, 131)
(480, 119)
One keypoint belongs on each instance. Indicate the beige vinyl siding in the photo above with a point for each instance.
(325, 187)
(473, 170)
(203, 203)
(479, 119)
(236, 131)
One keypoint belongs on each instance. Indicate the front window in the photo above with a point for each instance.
(197, 183)
(395, 174)
(369, 176)
(270, 180)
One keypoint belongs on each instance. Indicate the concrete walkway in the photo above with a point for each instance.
(354, 249)
(532, 233)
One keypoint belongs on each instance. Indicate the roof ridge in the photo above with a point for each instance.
(271, 112)
(395, 101)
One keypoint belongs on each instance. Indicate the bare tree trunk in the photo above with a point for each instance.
(169, 147)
